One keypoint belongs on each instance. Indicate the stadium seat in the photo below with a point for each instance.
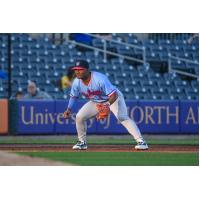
(39, 59)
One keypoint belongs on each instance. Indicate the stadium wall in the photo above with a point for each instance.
(45, 117)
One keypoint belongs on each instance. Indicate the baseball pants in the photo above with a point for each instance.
(118, 108)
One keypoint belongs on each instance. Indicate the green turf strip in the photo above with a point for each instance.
(121, 158)
(16, 140)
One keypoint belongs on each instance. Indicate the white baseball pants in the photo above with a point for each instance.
(118, 108)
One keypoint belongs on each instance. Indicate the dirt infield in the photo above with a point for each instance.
(95, 148)
(12, 159)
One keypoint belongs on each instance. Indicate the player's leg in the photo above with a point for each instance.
(86, 112)
(119, 109)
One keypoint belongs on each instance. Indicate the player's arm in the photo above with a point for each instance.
(68, 111)
(113, 97)
(73, 96)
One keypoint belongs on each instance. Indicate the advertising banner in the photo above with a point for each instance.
(159, 117)
(189, 122)
(150, 116)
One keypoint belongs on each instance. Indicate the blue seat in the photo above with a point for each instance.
(165, 97)
(195, 84)
(129, 96)
(176, 91)
(98, 43)
(40, 53)
(58, 95)
(158, 91)
(127, 68)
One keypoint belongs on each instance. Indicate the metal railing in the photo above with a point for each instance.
(105, 40)
(104, 51)
(170, 36)
(66, 39)
(170, 67)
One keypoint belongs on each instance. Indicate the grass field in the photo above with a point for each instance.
(146, 158)
(121, 158)
(101, 139)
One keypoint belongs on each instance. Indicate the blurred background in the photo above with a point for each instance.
(158, 66)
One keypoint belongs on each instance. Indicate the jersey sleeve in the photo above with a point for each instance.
(107, 87)
(75, 90)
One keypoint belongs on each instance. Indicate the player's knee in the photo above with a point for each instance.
(79, 117)
(122, 118)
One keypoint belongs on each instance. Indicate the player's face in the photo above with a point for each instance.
(81, 73)
(31, 89)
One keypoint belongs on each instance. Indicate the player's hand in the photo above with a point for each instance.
(67, 113)
(103, 109)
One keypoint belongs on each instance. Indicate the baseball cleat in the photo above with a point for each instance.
(141, 146)
(80, 146)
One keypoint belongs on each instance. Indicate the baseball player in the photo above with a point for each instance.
(103, 97)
